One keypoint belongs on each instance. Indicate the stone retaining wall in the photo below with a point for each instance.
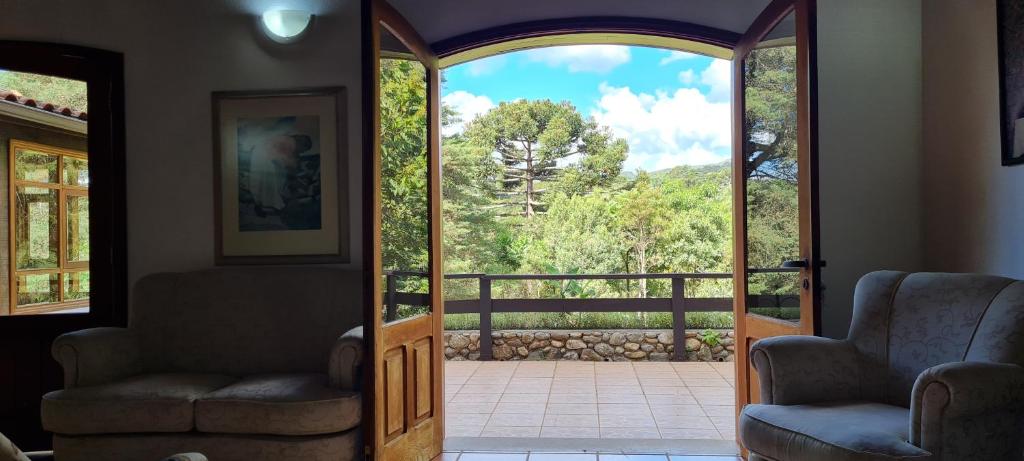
(603, 345)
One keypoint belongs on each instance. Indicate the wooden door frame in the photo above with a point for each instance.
(28, 368)
(375, 14)
(807, 148)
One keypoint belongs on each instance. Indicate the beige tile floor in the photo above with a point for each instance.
(637, 400)
(532, 456)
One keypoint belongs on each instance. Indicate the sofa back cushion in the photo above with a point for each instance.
(244, 320)
(932, 318)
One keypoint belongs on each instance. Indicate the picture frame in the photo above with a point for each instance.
(1010, 19)
(280, 177)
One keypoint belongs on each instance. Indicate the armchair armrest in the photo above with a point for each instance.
(96, 355)
(796, 370)
(974, 410)
(346, 360)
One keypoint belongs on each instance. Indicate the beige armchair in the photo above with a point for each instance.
(237, 364)
(931, 370)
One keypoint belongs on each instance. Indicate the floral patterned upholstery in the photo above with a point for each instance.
(932, 369)
(279, 404)
(143, 403)
(9, 452)
(237, 364)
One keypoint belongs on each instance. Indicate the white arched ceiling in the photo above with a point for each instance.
(442, 19)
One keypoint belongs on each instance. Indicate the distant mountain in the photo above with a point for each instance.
(682, 171)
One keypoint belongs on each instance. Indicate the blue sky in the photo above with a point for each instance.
(672, 107)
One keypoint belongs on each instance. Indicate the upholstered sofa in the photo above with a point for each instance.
(931, 370)
(237, 364)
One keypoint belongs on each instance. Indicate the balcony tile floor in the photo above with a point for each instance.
(536, 456)
(608, 400)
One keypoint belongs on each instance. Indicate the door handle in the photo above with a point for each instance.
(795, 264)
(799, 264)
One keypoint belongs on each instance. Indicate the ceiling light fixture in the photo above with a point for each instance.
(286, 26)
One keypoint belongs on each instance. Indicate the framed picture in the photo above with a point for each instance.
(1011, 79)
(280, 177)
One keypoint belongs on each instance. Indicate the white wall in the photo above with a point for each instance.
(869, 89)
(974, 212)
(176, 53)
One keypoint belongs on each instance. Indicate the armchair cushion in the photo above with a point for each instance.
(145, 403)
(96, 355)
(346, 358)
(965, 410)
(279, 404)
(806, 369)
(9, 452)
(840, 431)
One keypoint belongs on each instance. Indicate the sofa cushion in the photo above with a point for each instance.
(843, 431)
(189, 322)
(143, 403)
(279, 404)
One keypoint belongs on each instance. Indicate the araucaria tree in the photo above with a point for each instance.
(539, 142)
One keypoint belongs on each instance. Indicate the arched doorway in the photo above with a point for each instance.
(702, 40)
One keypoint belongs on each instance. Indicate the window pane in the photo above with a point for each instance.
(76, 171)
(76, 286)
(77, 213)
(35, 166)
(35, 228)
(771, 166)
(37, 289)
(404, 209)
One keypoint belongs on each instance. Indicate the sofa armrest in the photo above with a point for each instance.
(796, 370)
(974, 410)
(96, 355)
(346, 360)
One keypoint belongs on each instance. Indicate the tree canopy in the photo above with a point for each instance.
(537, 143)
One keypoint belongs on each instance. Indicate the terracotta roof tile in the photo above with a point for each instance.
(15, 97)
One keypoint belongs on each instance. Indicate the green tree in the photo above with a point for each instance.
(642, 217)
(770, 148)
(403, 147)
(60, 91)
(533, 141)
(770, 117)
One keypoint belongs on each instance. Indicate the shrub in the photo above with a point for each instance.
(588, 321)
(710, 337)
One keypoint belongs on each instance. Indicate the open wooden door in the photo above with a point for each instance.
(774, 178)
(403, 254)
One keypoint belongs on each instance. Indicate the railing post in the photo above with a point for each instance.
(485, 318)
(391, 311)
(678, 319)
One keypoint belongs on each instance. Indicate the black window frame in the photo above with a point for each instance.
(103, 72)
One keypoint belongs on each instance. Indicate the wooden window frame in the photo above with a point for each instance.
(63, 192)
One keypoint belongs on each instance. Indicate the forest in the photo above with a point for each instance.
(536, 187)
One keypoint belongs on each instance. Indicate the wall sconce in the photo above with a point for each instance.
(286, 26)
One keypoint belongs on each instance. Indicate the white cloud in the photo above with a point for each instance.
(687, 77)
(686, 127)
(694, 155)
(468, 105)
(718, 76)
(674, 56)
(486, 66)
(582, 58)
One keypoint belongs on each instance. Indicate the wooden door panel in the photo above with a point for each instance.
(394, 393)
(423, 385)
(754, 390)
